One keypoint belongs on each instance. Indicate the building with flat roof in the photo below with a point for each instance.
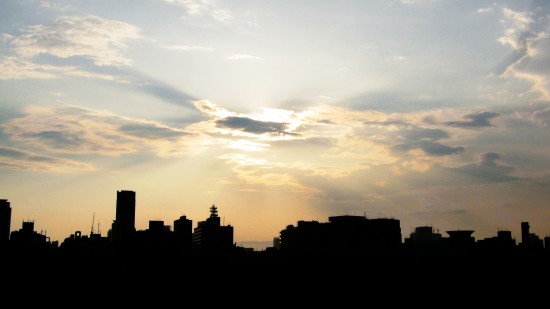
(124, 225)
(211, 235)
(5, 221)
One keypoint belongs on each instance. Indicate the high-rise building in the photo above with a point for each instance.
(5, 221)
(124, 224)
(525, 233)
(530, 240)
(183, 229)
(211, 235)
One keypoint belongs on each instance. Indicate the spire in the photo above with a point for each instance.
(213, 211)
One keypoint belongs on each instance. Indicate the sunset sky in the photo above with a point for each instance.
(434, 112)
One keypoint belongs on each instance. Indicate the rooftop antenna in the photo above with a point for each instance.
(98, 230)
(93, 221)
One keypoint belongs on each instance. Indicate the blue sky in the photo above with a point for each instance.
(431, 111)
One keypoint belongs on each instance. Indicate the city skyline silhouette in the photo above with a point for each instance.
(434, 113)
(343, 235)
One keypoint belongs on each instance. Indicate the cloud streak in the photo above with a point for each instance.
(476, 120)
(253, 126)
(430, 148)
(17, 159)
(17, 68)
(78, 130)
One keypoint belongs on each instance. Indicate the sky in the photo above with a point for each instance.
(434, 112)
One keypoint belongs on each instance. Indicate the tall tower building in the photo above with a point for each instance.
(525, 233)
(183, 229)
(124, 225)
(5, 221)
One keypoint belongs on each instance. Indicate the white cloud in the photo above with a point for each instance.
(517, 24)
(93, 37)
(188, 48)
(242, 57)
(522, 35)
(56, 6)
(485, 10)
(204, 7)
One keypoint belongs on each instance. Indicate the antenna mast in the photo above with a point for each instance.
(93, 221)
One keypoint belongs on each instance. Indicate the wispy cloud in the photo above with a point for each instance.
(78, 130)
(242, 57)
(17, 159)
(204, 8)
(430, 148)
(188, 48)
(93, 37)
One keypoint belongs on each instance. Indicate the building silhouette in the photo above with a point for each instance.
(342, 234)
(27, 239)
(92, 245)
(183, 231)
(461, 237)
(503, 242)
(525, 233)
(210, 235)
(5, 222)
(424, 234)
(530, 241)
(157, 240)
(425, 241)
(124, 228)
